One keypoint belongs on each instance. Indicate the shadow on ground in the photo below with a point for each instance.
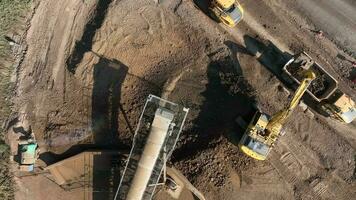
(86, 42)
(268, 54)
(108, 77)
(106, 176)
(203, 5)
(236, 49)
(227, 96)
(95, 174)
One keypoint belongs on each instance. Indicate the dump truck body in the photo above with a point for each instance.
(322, 87)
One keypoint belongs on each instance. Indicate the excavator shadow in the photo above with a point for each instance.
(267, 54)
(108, 78)
(227, 95)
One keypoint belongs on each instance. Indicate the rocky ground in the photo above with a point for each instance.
(90, 65)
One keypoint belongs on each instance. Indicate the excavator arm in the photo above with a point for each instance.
(277, 120)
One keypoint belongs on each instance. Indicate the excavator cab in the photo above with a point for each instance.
(228, 12)
(249, 143)
(254, 148)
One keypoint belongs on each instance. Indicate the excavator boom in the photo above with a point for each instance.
(277, 120)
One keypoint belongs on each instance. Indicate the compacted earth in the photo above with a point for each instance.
(90, 65)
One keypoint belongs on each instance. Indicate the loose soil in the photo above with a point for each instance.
(90, 65)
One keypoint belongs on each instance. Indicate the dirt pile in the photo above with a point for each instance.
(213, 165)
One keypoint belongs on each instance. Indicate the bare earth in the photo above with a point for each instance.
(90, 65)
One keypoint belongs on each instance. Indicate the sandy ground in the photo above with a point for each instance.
(336, 18)
(90, 65)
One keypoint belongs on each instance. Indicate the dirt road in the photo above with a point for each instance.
(336, 18)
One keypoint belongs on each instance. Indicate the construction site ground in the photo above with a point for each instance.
(89, 65)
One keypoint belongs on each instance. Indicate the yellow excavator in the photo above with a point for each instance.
(229, 12)
(263, 131)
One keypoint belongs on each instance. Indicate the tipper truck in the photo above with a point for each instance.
(324, 89)
(229, 12)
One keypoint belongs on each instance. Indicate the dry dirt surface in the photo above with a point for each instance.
(90, 65)
(336, 18)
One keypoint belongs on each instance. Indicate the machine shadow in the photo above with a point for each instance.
(50, 158)
(268, 54)
(106, 179)
(85, 43)
(236, 49)
(108, 78)
(203, 5)
(97, 175)
(227, 96)
(104, 173)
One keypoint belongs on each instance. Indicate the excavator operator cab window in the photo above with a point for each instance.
(256, 146)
